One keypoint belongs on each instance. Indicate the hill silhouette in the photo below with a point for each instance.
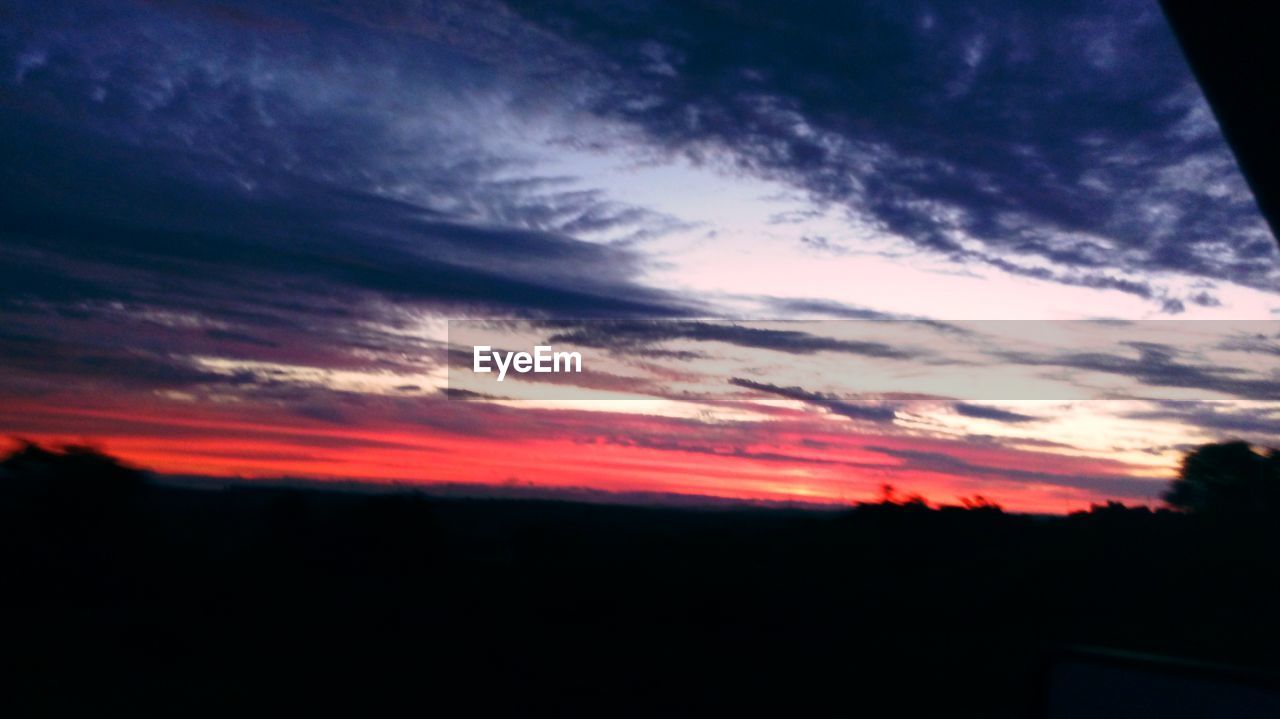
(127, 596)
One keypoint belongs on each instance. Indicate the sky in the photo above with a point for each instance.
(234, 235)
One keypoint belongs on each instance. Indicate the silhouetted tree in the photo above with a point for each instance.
(979, 503)
(72, 473)
(1227, 479)
(889, 496)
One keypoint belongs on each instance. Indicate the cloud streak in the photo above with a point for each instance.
(862, 411)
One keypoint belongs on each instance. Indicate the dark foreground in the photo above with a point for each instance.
(256, 601)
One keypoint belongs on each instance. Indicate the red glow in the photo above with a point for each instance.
(792, 456)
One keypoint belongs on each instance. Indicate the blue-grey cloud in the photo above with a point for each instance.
(1250, 421)
(1072, 134)
(631, 334)
(808, 307)
(876, 412)
(1159, 365)
(982, 411)
(272, 183)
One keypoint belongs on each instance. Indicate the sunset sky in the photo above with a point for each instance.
(234, 234)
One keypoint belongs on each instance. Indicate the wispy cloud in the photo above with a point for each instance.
(864, 411)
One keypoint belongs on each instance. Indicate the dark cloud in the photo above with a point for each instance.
(805, 308)
(455, 393)
(1013, 441)
(822, 245)
(1253, 344)
(178, 199)
(676, 444)
(982, 411)
(149, 221)
(1218, 418)
(297, 183)
(42, 365)
(863, 411)
(240, 337)
(1072, 133)
(295, 189)
(1159, 365)
(630, 334)
(1205, 299)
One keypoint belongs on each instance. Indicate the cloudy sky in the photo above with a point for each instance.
(234, 234)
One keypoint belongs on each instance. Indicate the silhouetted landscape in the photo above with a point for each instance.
(125, 595)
